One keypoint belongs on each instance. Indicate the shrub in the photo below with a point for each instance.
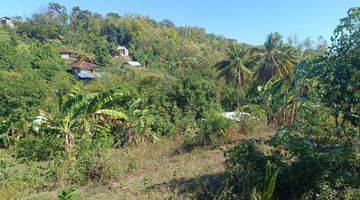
(245, 164)
(210, 130)
(213, 127)
(68, 193)
(249, 124)
(87, 161)
(309, 167)
(39, 148)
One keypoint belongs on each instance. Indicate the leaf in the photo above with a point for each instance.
(113, 113)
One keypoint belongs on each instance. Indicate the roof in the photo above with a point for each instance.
(82, 65)
(5, 18)
(121, 47)
(87, 75)
(65, 51)
(133, 63)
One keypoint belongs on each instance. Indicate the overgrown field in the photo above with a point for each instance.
(203, 117)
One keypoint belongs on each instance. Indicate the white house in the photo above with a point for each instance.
(66, 54)
(6, 21)
(122, 51)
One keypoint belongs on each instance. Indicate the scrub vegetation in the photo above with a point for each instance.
(158, 131)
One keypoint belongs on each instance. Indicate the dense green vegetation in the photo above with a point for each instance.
(63, 131)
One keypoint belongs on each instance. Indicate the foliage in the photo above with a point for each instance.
(39, 148)
(246, 166)
(234, 67)
(339, 80)
(309, 94)
(67, 194)
(275, 58)
(88, 161)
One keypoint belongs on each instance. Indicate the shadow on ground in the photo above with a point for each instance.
(209, 186)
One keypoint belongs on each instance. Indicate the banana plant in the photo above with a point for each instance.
(281, 96)
(78, 107)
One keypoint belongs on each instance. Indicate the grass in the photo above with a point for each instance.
(160, 170)
(147, 171)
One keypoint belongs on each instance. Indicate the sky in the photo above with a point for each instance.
(248, 21)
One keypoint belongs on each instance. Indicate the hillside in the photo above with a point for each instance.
(125, 107)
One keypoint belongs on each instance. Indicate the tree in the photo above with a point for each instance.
(275, 58)
(167, 22)
(282, 96)
(340, 85)
(233, 67)
(49, 23)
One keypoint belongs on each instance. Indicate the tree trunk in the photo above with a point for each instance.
(238, 85)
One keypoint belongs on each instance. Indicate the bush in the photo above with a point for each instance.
(39, 148)
(87, 161)
(68, 193)
(210, 130)
(309, 168)
(249, 124)
(245, 164)
(213, 127)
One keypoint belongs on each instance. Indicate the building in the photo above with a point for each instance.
(6, 21)
(83, 70)
(66, 54)
(82, 67)
(122, 51)
(133, 63)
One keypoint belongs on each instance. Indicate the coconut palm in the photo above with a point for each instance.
(233, 67)
(275, 59)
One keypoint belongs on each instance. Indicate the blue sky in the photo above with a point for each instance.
(245, 20)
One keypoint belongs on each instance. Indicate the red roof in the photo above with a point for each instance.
(82, 65)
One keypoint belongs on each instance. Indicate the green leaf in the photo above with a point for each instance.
(113, 113)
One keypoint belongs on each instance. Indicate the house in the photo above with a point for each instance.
(122, 51)
(6, 21)
(83, 70)
(132, 63)
(66, 54)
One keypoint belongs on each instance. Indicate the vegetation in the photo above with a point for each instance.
(155, 131)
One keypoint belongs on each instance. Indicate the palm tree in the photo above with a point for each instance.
(233, 67)
(275, 59)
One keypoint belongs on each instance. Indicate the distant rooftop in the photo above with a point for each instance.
(83, 65)
(63, 50)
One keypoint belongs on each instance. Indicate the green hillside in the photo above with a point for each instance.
(201, 117)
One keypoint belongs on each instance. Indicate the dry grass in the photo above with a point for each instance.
(158, 170)
(152, 171)
(146, 171)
